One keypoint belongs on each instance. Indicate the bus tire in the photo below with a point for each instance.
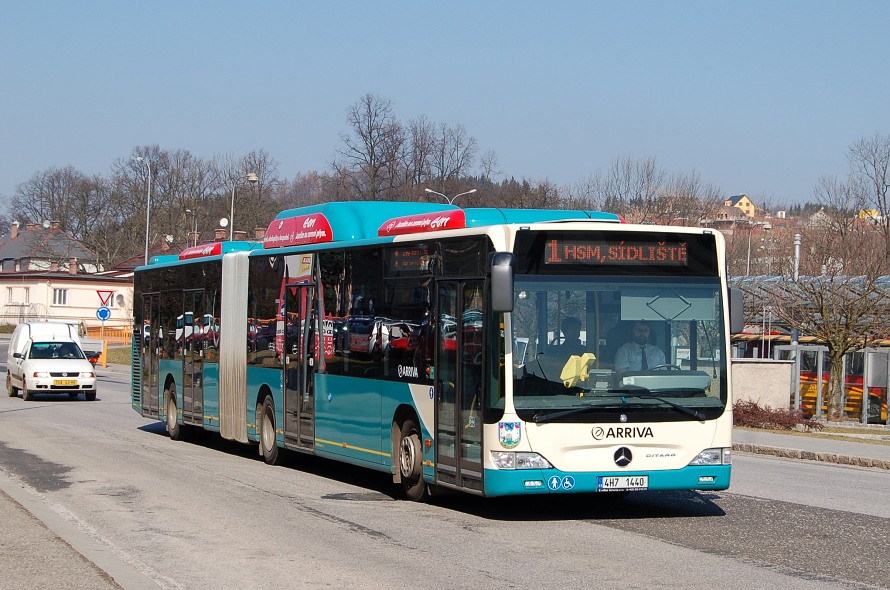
(411, 461)
(9, 387)
(171, 413)
(268, 445)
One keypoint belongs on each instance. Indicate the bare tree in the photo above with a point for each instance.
(488, 164)
(368, 152)
(65, 195)
(421, 146)
(870, 159)
(453, 157)
(842, 302)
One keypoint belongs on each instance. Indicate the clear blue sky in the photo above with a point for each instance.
(759, 97)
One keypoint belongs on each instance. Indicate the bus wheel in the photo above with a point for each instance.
(267, 433)
(410, 462)
(171, 412)
(9, 388)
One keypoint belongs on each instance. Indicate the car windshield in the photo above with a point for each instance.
(55, 350)
(587, 345)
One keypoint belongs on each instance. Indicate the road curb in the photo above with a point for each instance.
(811, 456)
(125, 574)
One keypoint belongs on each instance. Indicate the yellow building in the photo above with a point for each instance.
(742, 203)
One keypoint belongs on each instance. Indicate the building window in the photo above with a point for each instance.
(9, 295)
(27, 298)
(60, 296)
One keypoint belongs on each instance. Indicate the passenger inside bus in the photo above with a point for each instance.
(570, 341)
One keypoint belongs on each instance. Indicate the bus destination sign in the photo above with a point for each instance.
(617, 253)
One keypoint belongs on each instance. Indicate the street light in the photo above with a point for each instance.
(252, 179)
(195, 216)
(147, 204)
(751, 226)
(450, 200)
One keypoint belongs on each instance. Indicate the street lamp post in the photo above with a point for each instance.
(252, 179)
(450, 200)
(147, 204)
(195, 216)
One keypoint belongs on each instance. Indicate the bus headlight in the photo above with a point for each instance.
(522, 460)
(713, 457)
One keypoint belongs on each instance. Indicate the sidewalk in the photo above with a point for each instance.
(866, 453)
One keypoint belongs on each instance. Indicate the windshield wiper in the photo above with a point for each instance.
(644, 393)
(632, 391)
(541, 418)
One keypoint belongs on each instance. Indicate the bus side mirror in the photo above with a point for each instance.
(502, 264)
(736, 310)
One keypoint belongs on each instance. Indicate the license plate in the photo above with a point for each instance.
(622, 483)
(64, 382)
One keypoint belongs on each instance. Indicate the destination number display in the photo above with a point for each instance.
(620, 253)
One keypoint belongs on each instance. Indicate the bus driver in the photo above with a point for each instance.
(638, 355)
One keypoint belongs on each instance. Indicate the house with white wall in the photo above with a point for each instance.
(46, 274)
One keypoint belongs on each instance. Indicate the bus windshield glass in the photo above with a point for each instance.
(588, 345)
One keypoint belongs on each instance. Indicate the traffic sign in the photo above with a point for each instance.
(103, 313)
(104, 297)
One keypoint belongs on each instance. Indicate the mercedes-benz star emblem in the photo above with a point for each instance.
(623, 457)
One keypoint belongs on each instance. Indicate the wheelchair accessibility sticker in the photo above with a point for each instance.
(566, 483)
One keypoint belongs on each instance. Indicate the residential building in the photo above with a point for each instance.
(46, 274)
(742, 203)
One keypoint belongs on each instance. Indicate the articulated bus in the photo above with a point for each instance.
(429, 345)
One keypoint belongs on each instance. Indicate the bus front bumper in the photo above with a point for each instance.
(505, 482)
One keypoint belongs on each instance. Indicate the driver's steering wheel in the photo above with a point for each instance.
(665, 366)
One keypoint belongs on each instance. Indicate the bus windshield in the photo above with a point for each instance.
(585, 346)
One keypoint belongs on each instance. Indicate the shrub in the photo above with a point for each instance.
(750, 414)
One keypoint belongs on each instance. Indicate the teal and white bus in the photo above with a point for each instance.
(426, 341)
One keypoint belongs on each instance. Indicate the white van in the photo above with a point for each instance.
(47, 358)
(29, 331)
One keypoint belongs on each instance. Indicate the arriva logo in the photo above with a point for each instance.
(405, 371)
(439, 222)
(599, 433)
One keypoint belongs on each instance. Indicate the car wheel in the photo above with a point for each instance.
(9, 387)
(26, 395)
(91, 396)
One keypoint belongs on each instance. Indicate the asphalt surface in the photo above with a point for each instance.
(40, 548)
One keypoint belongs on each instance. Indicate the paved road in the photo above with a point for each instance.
(230, 519)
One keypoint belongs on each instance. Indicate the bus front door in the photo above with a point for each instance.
(459, 371)
(193, 359)
(151, 350)
(299, 360)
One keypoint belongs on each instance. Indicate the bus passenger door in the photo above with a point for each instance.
(459, 381)
(299, 360)
(151, 348)
(192, 359)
